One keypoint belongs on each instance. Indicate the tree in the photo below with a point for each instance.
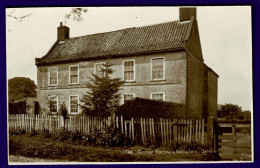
(64, 113)
(230, 110)
(103, 96)
(247, 115)
(20, 87)
(76, 14)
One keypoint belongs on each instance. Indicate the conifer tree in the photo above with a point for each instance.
(103, 95)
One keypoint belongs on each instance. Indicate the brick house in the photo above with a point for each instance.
(162, 61)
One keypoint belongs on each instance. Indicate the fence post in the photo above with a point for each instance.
(34, 122)
(211, 131)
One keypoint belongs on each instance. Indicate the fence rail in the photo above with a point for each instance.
(139, 129)
(234, 141)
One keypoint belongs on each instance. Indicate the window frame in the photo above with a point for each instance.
(163, 93)
(49, 76)
(152, 68)
(70, 74)
(56, 105)
(124, 69)
(123, 102)
(95, 65)
(70, 104)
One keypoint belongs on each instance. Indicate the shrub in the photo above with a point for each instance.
(139, 107)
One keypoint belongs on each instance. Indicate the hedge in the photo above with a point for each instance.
(139, 107)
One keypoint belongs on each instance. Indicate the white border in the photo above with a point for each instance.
(49, 75)
(151, 95)
(57, 103)
(123, 64)
(152, 68)
(69, 104)
(69, 74)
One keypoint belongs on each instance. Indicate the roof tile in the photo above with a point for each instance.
(159, 37)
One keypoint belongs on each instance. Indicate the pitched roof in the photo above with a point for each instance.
(136, 40)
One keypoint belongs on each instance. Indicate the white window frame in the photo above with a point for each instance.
(152, 68)
(95, 65)
(123, 100)
(69, 104)
(49, 76)
(57, 103)
(124, 70)
(151, 96)
(69, 74)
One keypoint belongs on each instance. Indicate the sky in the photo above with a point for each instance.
(225, 34)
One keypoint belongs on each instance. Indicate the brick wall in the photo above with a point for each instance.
(174, 85)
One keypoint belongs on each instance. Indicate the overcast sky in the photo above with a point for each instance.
(225, 34)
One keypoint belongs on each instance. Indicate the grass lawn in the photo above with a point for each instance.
(47, 148)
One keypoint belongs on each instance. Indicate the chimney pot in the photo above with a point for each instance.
(60, 24)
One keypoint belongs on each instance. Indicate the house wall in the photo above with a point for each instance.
(205, 92)
(174, 85)
(194, 87)
(193, 44)
(212, 94)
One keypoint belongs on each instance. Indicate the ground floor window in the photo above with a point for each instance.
(53, 104)
(74, 104)
(158, 96)
(128, 96)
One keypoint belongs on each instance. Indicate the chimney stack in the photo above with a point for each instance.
(187, 13)
(63, 32)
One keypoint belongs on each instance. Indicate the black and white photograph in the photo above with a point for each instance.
(129, 85)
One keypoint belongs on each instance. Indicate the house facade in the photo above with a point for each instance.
(162, 62)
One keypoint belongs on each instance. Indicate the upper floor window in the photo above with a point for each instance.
(128, 96)
(158, 69)
(98, 68)
(158, 96)
(129, 70)
(53, 104)
(74, 104)
(53, 76)
(74, 74)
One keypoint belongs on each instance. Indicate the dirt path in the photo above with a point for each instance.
(16, 159)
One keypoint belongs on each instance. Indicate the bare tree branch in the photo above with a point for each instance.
(19, 19)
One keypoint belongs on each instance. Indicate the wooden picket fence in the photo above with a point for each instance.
(143, 130)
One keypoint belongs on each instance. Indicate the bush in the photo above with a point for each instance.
(140, 107)
(110, 138)
(96, 137)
